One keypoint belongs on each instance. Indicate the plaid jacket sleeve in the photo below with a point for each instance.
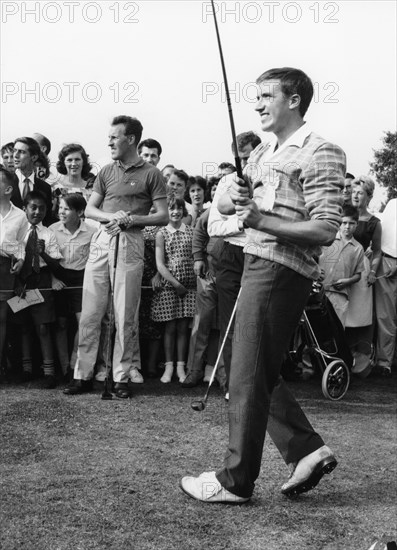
(322, 183)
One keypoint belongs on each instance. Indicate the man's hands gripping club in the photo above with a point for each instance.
(120, 222)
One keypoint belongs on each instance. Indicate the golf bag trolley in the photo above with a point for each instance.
(320, 336)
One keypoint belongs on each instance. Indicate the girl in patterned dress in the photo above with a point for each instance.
(174, 304)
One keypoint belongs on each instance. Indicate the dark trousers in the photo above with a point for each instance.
(270, 305)
(229, 270)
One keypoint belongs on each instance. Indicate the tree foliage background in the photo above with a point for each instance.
(384, 166)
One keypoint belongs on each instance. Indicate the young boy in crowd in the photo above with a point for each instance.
(42, 255)
(73, 236)
(342, 263)
(13, 227)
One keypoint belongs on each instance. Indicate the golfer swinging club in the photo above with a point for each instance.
(291, 206)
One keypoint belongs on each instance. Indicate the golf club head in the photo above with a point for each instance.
(198, 405)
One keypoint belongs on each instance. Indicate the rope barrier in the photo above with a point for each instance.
(69, 288)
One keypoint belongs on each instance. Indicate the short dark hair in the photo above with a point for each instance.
(7, 147)
(350, 211)
(193, 180)
(34, 196)
(150, 144)
(132, 126)
(68, 150)
(247, 138)
(292, 81)
(229, 165)
(181, 174)
(173, 201)
(33, 146)
(75, 201)
(349, 176)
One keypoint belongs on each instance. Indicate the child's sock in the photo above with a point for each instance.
(48, 367)
(27, 365)
(180, 370)
(169, 370)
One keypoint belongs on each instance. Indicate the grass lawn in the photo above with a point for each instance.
(78, 473)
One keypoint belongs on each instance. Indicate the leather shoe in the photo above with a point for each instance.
(78, 386)
(192, 379)
(49, 382)
(122, 390)
(309, 471)
(207, 488)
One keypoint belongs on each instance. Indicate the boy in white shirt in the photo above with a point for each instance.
(13, 227)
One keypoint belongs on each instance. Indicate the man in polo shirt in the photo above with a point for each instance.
(123, 195)
(291, 205)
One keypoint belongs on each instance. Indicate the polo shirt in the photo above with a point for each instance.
(132, 189)
(75, 247)
(299, 181)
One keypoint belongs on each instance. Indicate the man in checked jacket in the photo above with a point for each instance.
(290, 205)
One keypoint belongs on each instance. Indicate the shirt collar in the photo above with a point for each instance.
(339, 238)
(296, 139)
(38, 226)
(64, 229)
(137, 164)
(182, 229)
(22, 178)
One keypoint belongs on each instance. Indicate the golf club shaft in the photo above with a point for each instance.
(111, 312)
(229, 105)
(221, 348)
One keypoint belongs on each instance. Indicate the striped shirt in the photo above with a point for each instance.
(299, 181)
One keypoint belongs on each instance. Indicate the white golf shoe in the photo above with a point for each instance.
(207, 488)
(309, 471)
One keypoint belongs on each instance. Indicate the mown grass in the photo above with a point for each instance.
(79, 473)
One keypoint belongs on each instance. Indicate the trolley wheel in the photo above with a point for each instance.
(335, 380)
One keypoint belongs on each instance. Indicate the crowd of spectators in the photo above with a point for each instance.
(183, 292)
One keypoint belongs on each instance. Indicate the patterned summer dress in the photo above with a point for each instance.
(166, 305)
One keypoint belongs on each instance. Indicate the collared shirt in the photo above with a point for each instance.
(13, 227)
(341, 260)
(74, 247)
(172, 229)
(50, 242)
(21, 181)
(299, 181)
(132, 189)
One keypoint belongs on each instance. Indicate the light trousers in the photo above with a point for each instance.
(98, 280)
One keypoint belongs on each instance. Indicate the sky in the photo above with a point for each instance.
(69, 67)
